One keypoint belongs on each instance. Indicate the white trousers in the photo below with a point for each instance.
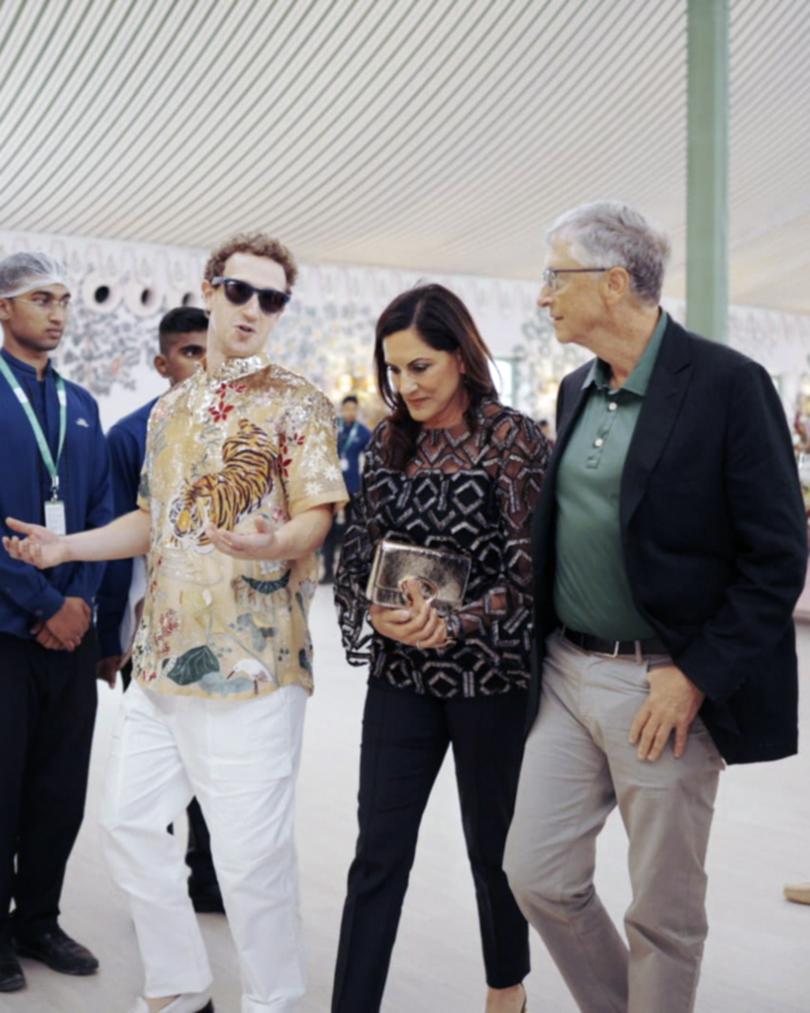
(240, 759)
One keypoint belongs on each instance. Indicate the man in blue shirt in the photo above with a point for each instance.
(55, 470)
(182, 336)
(352, 440)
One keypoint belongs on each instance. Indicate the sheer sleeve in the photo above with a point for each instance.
(502, 616)
(355, 562)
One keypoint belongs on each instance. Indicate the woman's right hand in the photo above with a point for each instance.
(41, 547)
(418, 626)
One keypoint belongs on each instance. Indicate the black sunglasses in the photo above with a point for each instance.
(239, 292)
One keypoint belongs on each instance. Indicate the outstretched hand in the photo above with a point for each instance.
(40, 547)
(263, 544)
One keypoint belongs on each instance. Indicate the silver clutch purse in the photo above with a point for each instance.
(441, 575)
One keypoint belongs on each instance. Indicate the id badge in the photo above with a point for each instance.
(55, 516)
(344, 464)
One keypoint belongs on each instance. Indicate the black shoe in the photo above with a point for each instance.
(206, 900)
(12, 978)
(327, 578)
(56, 949)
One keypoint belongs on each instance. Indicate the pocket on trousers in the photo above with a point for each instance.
(700, 736)
(250, 741)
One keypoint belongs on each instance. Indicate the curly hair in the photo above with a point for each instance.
(260, 245)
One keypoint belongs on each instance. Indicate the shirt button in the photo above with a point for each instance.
(612, 406)
(598, 442)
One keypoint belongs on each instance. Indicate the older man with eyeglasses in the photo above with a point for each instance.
(670, 549)
(240, 479)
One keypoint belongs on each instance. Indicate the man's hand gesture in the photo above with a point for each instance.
(71, 622)
(673, 702)
(261, 545)
(108, 668)
(41, 547)
(65, 630)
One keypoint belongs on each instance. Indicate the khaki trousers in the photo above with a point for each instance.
(577, 766)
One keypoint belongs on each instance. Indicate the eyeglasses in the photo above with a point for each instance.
(239, 292)
(551, 275)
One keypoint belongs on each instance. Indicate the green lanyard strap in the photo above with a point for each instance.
(42, 443)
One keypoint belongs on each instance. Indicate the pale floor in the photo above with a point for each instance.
(757, 957)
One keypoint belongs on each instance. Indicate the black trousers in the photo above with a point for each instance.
(47, 714)
(203, 877)
(405, 738)
(334, 540)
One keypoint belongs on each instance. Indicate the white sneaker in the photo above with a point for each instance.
(188, 1002)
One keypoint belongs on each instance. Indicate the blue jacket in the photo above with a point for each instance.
(351, 443)
(26, 594)
(126, 441)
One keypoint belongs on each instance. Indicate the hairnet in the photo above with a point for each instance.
(22, 272)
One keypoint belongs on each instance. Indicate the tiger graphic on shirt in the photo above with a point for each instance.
(224, 497)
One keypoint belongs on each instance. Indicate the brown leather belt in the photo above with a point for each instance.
(614, 648)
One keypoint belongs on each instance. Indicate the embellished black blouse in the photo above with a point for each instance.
(468, 490)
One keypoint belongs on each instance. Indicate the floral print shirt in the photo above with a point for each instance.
(251, 440)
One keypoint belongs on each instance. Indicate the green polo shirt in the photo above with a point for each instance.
(591, 589)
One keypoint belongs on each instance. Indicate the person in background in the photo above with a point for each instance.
(453, 469)
(669, 550)
(53, 460)
(353, 438)
(182, 336)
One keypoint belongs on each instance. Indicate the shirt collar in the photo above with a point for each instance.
(23, 367)
(639, 380)
(235, 369)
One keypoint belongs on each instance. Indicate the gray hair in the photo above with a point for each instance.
(608, 233)
(22, 272)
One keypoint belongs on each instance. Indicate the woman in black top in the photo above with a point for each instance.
(450, 468)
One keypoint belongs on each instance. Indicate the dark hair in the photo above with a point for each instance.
(260, 245)
(350, 399)
(444, 322)
(181, 320)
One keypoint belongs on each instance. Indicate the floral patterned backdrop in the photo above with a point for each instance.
(121, 290)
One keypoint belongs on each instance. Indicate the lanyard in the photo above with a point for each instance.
(347, 442)
(42, 443)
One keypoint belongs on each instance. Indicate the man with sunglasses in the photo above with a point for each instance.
(53, 460)
(240, 481)
(670, 549)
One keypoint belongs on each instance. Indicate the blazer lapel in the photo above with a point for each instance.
(544, 512)
(570, 412)
(662, 403)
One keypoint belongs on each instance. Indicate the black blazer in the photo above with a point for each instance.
(714, 537)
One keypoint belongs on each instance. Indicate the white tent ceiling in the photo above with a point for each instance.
(425, 134)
